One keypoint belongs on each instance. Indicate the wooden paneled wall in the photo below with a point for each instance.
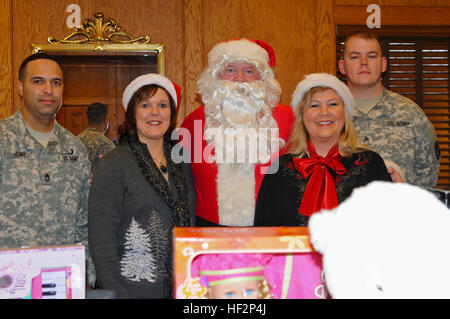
(301, 32)
(34, 21)
(394, 12)
(6, 75)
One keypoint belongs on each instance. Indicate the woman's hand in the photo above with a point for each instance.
(396, 177)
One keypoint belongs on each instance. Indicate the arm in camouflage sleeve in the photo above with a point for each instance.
(81, 232)
(427, 153)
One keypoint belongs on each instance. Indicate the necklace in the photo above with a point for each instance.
(162, 167)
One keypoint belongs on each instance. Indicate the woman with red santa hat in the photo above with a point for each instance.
(139, 194)
(326, 160)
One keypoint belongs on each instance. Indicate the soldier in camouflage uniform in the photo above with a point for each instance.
(399, 130)
(393, 125)
(44, 169)
(95, 141)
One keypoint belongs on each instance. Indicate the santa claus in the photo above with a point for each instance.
(238, 132)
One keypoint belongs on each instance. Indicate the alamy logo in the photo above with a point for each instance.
(229, 145)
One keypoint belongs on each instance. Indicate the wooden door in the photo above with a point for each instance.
(100, 78)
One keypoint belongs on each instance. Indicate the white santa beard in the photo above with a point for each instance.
(240, 105)
(238, 112)
(236, 194)
(236, 104)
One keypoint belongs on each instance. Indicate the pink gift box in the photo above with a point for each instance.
(53, 272)
(294, 270)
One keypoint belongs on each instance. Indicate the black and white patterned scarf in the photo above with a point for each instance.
(179, 205)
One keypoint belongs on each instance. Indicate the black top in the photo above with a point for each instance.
(281, 193)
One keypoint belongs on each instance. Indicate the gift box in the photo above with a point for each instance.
(56, 272)
(294, 269)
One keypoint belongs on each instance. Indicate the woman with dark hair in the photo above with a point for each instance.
(139, 194)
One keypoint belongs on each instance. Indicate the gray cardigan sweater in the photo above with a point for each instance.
(130, 226)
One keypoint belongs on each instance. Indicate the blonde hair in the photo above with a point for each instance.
(264, 290)
(263, 287)
(348, 142)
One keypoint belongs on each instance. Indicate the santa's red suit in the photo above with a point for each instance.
(205, 174)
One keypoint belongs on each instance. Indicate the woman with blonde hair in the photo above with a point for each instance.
(325, 159)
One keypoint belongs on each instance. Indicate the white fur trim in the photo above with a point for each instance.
(236, 194)
(238, 49)
(323, 79)
(387, 241)
(146, 79)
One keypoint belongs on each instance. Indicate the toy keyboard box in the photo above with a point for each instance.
(227, 251)
(56, 272)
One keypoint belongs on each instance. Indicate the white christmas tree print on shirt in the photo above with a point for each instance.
(138, 261)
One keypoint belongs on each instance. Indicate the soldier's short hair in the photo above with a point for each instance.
(97, 112)
(363, 34)
(35, 56)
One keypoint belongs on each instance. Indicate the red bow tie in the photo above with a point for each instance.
(320, 192)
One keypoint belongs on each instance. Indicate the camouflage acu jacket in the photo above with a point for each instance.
(43, 191)
(96, 144)
(400, 132)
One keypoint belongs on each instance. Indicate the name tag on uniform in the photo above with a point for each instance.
(396, 123)
(68, 158)
(15, 154)
(19, 154)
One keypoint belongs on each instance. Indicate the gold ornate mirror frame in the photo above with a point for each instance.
(100, 36)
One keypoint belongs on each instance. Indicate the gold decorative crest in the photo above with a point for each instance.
(102, 36)
(99, 31)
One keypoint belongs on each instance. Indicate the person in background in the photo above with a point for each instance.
(94, 137)
(240, 96)
(138, 194)
(391, 124)
(44, 169)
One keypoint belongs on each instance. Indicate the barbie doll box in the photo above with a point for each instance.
(206, 258)
(56, 272)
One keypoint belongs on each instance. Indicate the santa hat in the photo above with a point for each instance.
(151, 78)
(323, 79)
(237, 49)
(216, 269)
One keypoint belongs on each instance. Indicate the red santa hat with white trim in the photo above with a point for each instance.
(243, 49)
(152, 78)
(327, 80)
